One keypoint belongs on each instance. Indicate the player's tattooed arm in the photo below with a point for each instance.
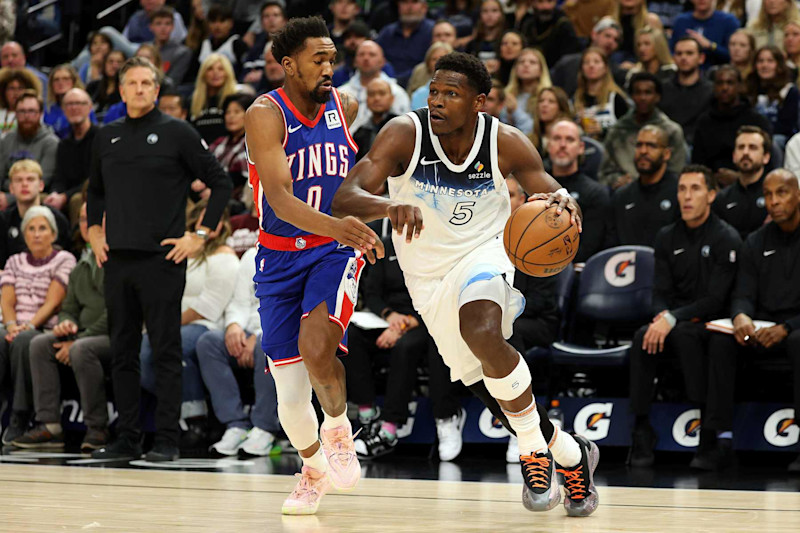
(350, 106)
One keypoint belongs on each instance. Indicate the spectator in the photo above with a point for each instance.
(62, 79)
(379, 103)
(422, 74)
(176, 57)
(767, 28)
(215, 82)
(716, 128)
(632, 15)
(485, 40)
(8, 20)
(641, 208)
(105, 91)
(552, 105)
(12, 55)
(791, 47)
(529, 76)
(445, 32)
(599, 102)
(13, 82)
(606, 36)
(99, 47)
(765, 290)
(565, 148)
(743, 10)
(511, 44)
(80, 341)
(584, 14)
(31, 140)
(273, 74)
(369, 61)
(33, 284)
(741, 204)
(221, 40)
(239, 346)
(742, 48)
(198, 27)
(244, 230)
(357, 33)
(550, 31)
(404, 42)
(73, 155)
(709, 27)
(518, 12)
(461, 15)
(495, 100)
(775, 95)
(272, 19)
(695, 268)
(137, 30)
(653, 54)
(618, 166)
(173, 104)
(687, 94)
(343, 13)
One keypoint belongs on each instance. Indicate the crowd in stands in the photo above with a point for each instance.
(649, 114)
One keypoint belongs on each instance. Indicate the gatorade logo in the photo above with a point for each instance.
(594, 420)
(620, 270)
(780, 428)
(686, 429)
(491, 426)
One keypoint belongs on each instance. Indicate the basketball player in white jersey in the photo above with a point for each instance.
(445, 164)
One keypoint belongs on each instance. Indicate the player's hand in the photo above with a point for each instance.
(67, 327)
(408, 217)
(388, 339)
(561, 203)
(769, 337)
(186, 246)
(235, 339)
(656, 334)
(62, 355)
(97, 239)
(352, 232)
(744, 330)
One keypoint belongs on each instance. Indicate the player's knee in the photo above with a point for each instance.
(480, 336)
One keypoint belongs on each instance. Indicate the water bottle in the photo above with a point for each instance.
(555, 414)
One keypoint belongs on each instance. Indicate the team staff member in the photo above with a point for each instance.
(142, 168)
(767, 288)
(694, 272)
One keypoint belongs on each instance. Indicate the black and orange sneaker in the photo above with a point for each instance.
(582, 497)
(541, 491)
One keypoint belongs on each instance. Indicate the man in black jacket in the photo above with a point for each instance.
(686, 96)
(141, 170)
(551, 31)
(695, 269)
(767, 288)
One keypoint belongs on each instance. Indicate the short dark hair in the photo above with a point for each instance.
(711, 181)
(219, 12)
(181, 99)
(470, 66)
(727, 67)
(163, 12)
(243, 99)
(690, 39)
(765, 136)
(292, 38)
(276, 3)
(501, 89)
(30, 93)
(640, 77)
(138, 61)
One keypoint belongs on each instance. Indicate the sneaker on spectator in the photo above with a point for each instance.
(344, 469)
(39, 437)
(162, 452)
(17, 426)
(643, 445)
(366, 419)
(124, 447)
(94, 439)
(196, 435)
(449, 433)
(231, 441)
(512, 452)
(794, 467)
(258, 442)
(377, 442)
(718, 458)
(308, 492)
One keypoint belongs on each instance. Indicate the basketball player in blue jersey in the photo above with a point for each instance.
(446, 164)
(308, 263)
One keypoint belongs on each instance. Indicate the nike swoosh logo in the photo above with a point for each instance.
(292, 130)
(768, 253)
(628, 207)
(679, 251)
(424, 161)
(731, 205)
(115, 139)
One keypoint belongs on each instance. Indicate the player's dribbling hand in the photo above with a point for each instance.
(561, 203)
(352, 232)
(406, 217)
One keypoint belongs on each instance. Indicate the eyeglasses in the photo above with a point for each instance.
(29, 112)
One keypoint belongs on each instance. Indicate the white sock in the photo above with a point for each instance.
(565, 449)
(316, 461)
(526, 425)
(331, 422)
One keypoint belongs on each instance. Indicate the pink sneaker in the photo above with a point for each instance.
(308, 492)
(344, 469)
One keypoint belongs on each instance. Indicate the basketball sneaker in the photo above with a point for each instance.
(541, 491)
(581, 498)
(231, 441)
(375, 442)
(512, 452)
(344, 471)
(308, 492)
(259, 443)
(449, 432)
(643, 445)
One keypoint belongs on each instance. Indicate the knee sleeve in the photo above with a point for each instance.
(295, 411)
(511, 386)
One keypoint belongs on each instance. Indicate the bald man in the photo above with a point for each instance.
(12, 55)
(767, 288)
(369, 63)
(379, 102)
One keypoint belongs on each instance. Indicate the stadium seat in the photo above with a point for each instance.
(592, 157)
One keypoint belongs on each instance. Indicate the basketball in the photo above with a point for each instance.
(539, 242)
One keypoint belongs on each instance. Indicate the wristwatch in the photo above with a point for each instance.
(203, 234)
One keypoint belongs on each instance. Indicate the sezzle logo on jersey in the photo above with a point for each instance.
(310, 161)
(480, 174)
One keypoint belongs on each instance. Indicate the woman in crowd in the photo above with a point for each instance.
(422, 74)
(210, 281)
(599, 102)
(767, 28)
(105, 91)
(791, 46)
(32, 287)
(652, 51)
(215, 82)
(529, 76)
(771, 89)
(13, 82)
(632, 16)
(552, 105)
(742, 47)
(486, 39)
(198, 26)
(62, 78)
(511, 45)
(99, 47)
(744, 10)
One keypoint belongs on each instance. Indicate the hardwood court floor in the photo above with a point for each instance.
(57, 498)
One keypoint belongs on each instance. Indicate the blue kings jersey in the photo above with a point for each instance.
(320, 153)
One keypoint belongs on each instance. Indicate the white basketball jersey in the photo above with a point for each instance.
(463, 206)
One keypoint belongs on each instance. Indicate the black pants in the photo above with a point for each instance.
(405, 357)
(688, 341)
(144, 287)
(531, 332)
(482, 393)
(724, 355)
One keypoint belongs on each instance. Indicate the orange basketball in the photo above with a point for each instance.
(538, 241)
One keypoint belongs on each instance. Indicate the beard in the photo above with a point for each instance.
(561, 162)
(750, 166)
(319, 96)
(648, 168)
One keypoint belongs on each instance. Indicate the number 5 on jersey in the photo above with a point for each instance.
(462, 213)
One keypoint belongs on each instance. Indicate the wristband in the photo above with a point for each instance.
(670, 318)
(10, 323)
